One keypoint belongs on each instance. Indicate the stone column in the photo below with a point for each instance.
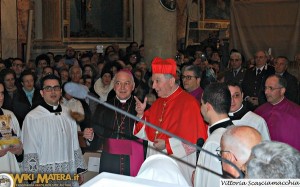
(159, 31)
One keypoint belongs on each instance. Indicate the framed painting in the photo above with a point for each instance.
(216, 9)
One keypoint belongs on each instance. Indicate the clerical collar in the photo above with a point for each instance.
(239, 113)
(123, 100)
(278, 101)
(224, 123)
(232, 113)
(220, 121)
(51, 108)
(172, 92)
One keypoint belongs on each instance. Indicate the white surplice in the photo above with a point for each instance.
(50, 142)
(253, 120)
(207, 164)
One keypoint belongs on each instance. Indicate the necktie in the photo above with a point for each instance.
(234, 73)
(258, 72)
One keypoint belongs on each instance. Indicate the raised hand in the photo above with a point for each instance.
(140, 106)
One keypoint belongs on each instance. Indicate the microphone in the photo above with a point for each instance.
(76, 90)
(80, 91)
(200, 143)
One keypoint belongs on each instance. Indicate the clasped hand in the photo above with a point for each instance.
(88, 133)
(15, 149)
(159, 144)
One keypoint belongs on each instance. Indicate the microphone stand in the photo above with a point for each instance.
(79, 91)
(163, 131)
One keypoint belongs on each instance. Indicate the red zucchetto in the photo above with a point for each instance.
(164, 66)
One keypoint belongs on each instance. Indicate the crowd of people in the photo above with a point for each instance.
(236, 106)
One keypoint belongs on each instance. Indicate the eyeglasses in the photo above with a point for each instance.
(271, 88)
(188, 77)
(51, 88)
(219, 153)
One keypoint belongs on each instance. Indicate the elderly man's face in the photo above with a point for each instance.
(75, 74)
(235, 61)
(280, 65)
(229, 155)
(260, 59)
(162, 85)
(124, 85)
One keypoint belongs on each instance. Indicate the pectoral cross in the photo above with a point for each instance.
(156, 133)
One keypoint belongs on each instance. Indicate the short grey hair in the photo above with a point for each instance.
(237, 54)
(273, 160)
(195, 69)
(75, 66)
(169, 76)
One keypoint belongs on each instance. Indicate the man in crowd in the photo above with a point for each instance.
(241, 115)
(123, 152)
(215, 105)
(254, 80)
(237, 72)
(281, 66)
(281, 115)
(236, 145)
(27, 98)
(175, 111)
(18, 67)
(191, 77)
(75, 73)
(50, 136)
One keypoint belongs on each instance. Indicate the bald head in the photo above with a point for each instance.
(238, 142)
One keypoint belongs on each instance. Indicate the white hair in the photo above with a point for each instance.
(273, 160)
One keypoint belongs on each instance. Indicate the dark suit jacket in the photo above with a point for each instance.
(253, 86)
(229, 77)
(292, 91)
(21, 106)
